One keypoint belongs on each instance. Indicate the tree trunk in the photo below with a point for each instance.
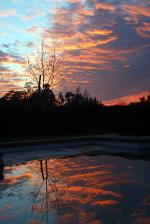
(39, 84)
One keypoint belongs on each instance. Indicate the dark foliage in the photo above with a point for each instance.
(32, 114)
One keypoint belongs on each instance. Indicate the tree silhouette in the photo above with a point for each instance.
(79, 98)
(15, 96)
(44, 66)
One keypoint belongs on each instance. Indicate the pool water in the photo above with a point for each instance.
(79, 189)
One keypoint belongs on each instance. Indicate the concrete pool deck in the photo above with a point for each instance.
(106, 144)
(119, 138)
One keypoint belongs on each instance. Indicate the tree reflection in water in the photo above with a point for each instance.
(46, 196)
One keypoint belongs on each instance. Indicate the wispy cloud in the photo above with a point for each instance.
(3, 34)
(32, 15)
(15, 1)
(7, 12)
(9, 58)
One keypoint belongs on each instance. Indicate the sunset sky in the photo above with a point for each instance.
(105, 44)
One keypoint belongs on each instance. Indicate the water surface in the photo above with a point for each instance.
(79, 189)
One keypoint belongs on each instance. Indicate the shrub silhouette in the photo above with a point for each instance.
(33, 113)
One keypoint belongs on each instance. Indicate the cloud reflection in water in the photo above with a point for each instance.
(83, 189)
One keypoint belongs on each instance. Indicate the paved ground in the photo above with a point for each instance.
(110, 138)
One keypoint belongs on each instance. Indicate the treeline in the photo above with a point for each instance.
(31, 113)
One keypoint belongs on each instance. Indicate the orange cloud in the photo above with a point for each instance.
(105, 6)
(89, 41)
(135, 11)
(99, 32)
(126, 99)
(144, 30)
(85, 50)
(105, 202)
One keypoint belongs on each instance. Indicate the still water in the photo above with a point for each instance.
(82, 189)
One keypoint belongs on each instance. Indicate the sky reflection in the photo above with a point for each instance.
(83, 189)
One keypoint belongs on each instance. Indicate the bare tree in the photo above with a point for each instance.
(44, 66)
